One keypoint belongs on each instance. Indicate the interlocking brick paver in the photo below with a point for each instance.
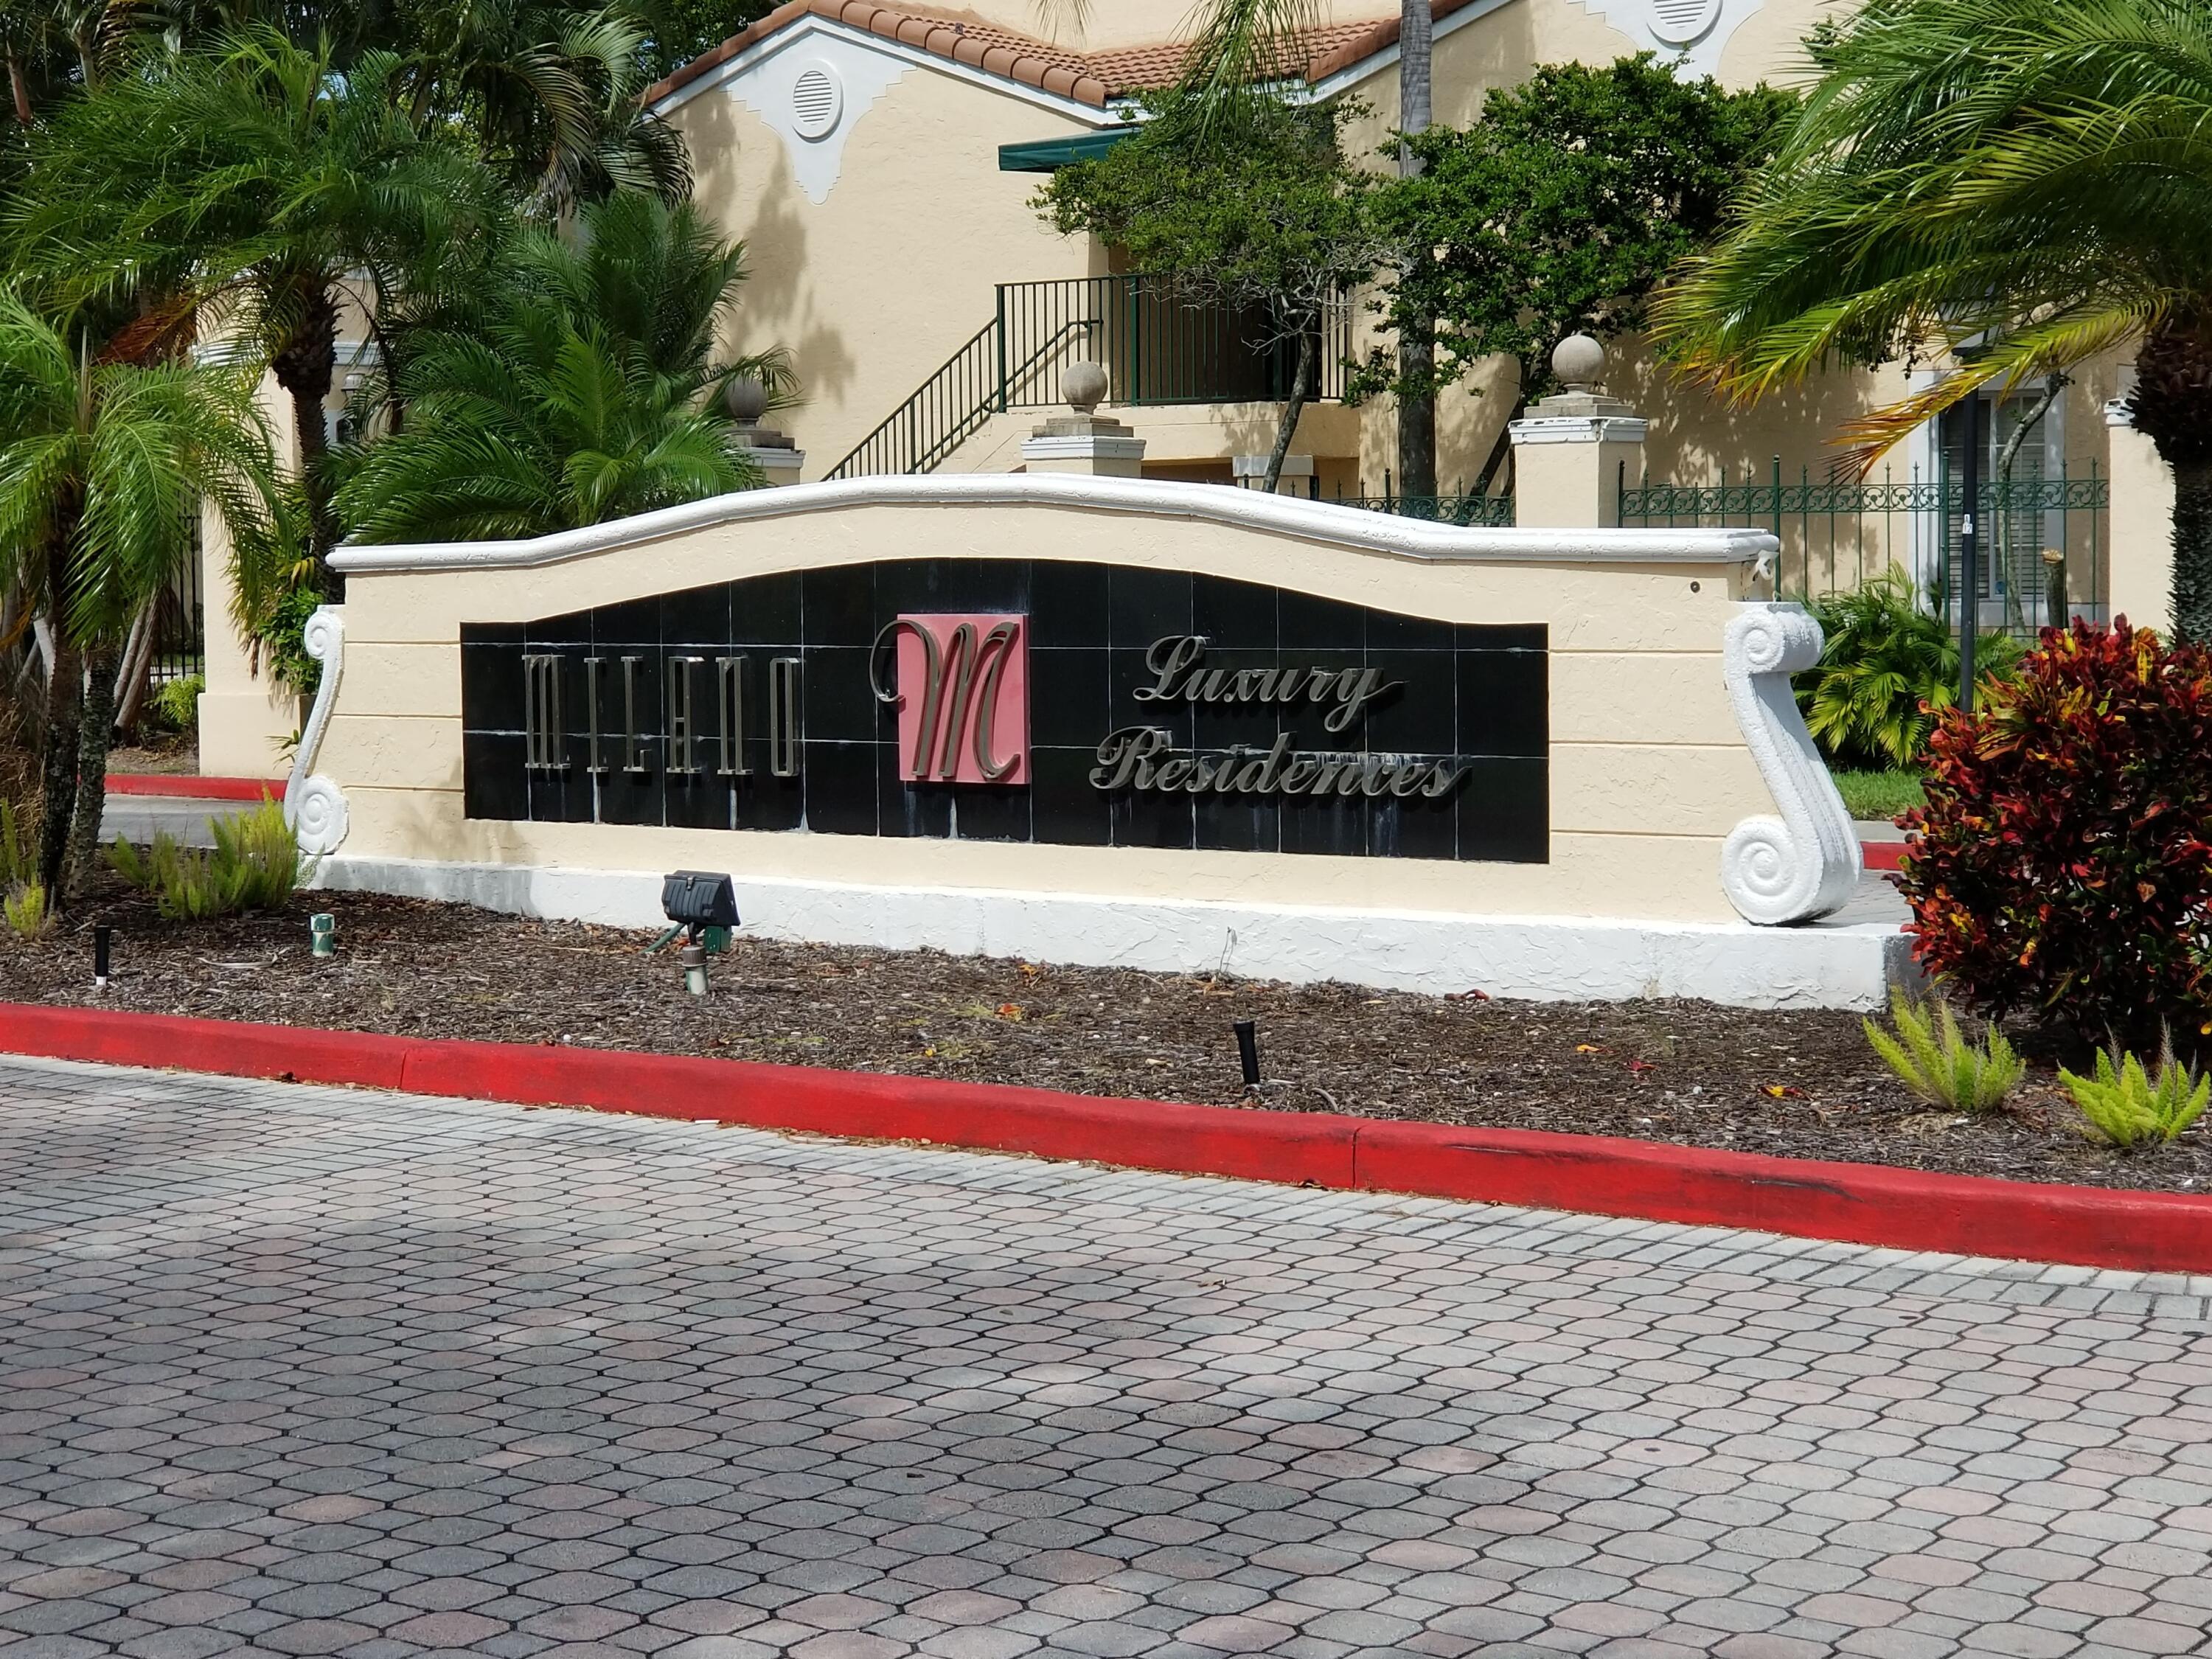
(301, 1371)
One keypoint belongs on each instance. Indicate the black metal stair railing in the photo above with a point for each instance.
(1157, 348)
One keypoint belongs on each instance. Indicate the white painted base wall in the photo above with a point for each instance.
(1545, 958)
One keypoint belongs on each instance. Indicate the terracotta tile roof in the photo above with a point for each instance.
(1086, 77)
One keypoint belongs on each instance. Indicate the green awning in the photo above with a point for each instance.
(1050, 155)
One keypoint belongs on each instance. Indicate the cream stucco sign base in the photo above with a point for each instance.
(1684, 796)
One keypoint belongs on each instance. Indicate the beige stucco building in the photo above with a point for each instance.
(857, 148)
(879, 162)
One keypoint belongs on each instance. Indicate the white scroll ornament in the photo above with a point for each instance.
(1806, 863)
(314, 806)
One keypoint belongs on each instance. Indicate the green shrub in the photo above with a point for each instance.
(2121, 1103)
(1933, 1058)
(2062, 865)
(1878, 795)
(176, 703)
(255, 865)
(1887, 669)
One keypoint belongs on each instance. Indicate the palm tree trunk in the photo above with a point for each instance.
(58, 780)
(2192, 548)
(305, 366)
(93, 737)
(1416, 335)
(131, 681)
(1294, 410)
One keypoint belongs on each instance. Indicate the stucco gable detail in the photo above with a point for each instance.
(1695, 31)
(811, 91)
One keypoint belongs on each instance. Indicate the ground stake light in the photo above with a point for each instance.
(103, 942)
(1247, 1050)
(696, 900)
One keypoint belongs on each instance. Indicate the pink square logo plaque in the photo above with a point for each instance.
(963, 692)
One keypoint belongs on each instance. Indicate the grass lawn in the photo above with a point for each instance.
(1876, 795)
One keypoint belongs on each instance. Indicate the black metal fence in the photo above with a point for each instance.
(1467, 512)
(2043, 545)
(179, 648)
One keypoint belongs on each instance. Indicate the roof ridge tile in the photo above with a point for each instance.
(1094, 78)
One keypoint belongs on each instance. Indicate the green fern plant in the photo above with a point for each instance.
(177, 702)
(2123, 1105)
(24, 909)
(1933, 1058)
(255, 864)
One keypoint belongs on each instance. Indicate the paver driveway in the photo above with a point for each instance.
(310, 1371)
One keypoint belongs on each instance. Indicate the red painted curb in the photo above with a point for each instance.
(187, 788)
(1880, 856)
(1856, 1203)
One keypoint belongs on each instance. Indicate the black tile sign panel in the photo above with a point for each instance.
(1465, 708)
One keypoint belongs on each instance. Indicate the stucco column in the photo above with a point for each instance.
(1570, 449)
(1084, 440)
(2139, 564)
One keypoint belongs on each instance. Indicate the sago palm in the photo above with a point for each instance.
(103, 470)
(251, 190)
(2017, 184)
(587, 388)
(538, 426)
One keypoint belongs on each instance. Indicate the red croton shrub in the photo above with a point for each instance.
(2064, 859)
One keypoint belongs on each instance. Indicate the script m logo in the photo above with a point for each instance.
(961, 686)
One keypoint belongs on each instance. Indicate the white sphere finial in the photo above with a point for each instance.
(1579, 361)
(1085, 387)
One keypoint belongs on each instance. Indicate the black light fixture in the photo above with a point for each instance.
(696, 900)
(103, 942)
(1247, 1050)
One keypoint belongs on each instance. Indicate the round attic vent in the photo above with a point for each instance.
(816, 101)
(1678, 23)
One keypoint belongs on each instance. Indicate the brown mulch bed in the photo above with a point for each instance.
(1797, 1084)
(177, 755)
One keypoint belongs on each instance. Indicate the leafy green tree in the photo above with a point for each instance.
(591, 391)
(2006, 187)
(251, 192)
(103, 469)
(1238, 43)
(1559, 211)
(1240, 201)
(677, 31)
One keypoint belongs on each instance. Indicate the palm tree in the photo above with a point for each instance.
(2019, 184)
(550, 89)
(253, 190)
(103, 468)
(591, 391)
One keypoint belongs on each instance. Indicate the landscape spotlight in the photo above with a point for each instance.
(103, 939)
(696, 900)
(1247, 1050)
